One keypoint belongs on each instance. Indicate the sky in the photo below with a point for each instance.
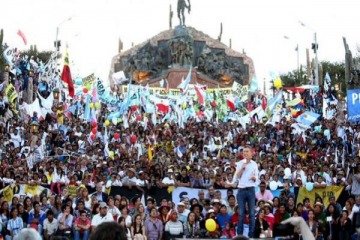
(257, 27)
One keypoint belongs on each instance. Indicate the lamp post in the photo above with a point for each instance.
(314, 46)
(297, 58)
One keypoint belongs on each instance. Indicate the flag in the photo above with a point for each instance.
(307, 118)
(162, 105)
(22, 35)
(273, 102)
(231, 103)
(200, 95)
(327, 81)
(66, 75)
(183, 86)
(254, 85)
(150, 155)
(264, 103)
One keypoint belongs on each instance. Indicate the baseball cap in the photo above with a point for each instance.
(103, 205)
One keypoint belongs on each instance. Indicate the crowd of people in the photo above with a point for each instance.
(67, 152)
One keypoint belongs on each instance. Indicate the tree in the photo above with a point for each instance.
(44, 56)
(293, 78)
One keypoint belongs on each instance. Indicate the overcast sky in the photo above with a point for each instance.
(257, 26)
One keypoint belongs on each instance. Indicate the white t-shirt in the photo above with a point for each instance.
(98, 219)
(50, 226)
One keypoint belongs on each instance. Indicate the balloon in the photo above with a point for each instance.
(278, 83)
(184, 105)
(133, 139)
(97, 105)
(85, 90)
(138, 117)
(92, 137)
(111, 154)
(107, 123)
(94, 124)
(309, 186)
(134, 108)
(116, 136)
(273, 185)
(88, 87)
(210, 225)
(94, 131)
(287, 172)
(91, 105)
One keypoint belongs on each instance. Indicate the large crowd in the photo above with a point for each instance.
(64, 152)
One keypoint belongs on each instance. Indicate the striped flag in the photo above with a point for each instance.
(200, 95)
(66, 75)
(307, 118)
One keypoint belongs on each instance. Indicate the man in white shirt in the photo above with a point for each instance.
(50, 224)
(169, 179)
(102, 216)
(113, 181)
(247, 174)
(130, 180)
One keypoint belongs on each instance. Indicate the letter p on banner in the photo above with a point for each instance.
(353, 104)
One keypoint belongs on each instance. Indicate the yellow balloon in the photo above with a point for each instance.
(278, 83)
(91, 105)
(111, 154)
(184, 105)
(107, 123)
(210, 225)
(97, 105)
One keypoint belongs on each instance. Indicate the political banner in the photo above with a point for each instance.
(22, 189)
(11, 93)
(324, 193)
(88, 80)
(180, 193)
(353, 104)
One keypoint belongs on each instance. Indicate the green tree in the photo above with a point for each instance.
(336, 72)
(293, 78)
(44, 56)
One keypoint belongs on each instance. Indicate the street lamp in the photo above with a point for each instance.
(314, 46)
(297, 58)
(57, 45)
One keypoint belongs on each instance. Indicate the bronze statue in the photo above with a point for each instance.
(181, 9)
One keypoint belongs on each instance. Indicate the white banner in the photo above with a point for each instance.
(182, 192)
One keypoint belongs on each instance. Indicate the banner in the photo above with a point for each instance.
(89, 80)
(353, 104)
(22, 189)
(324, 193)
(181, 192)
(173, 91)
(11, 93)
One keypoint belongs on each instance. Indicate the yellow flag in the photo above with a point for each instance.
(324, 193)
(170, 189)
(150, 156)
(8, 193)
(33, 190)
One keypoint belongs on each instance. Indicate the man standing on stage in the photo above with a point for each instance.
(246, 176)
